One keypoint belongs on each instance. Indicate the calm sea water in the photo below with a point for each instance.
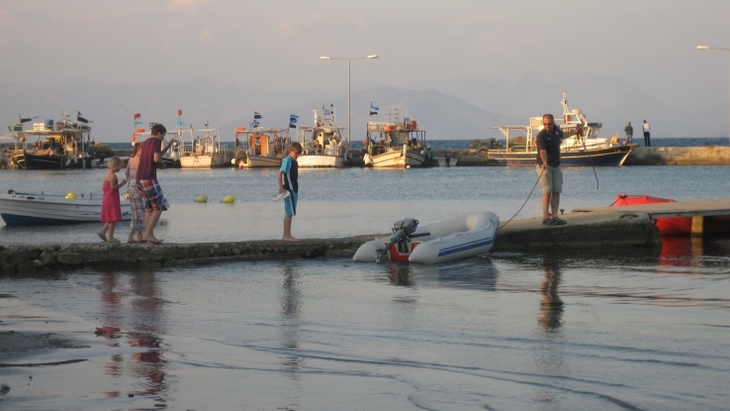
(635, 330)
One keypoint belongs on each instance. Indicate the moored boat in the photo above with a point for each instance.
(455, 238)
(49, 209)
(396, 145)
(50, 145)
(203, 150)
(323, 143)
(666, 225)
(581, 145)
(261, 147)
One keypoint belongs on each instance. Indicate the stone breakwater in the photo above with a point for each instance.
(585, 232)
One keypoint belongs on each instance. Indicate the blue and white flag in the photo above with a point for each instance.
(293, 120)
(373, 110)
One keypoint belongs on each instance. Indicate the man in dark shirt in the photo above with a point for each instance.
(548, 169)
(149, 189)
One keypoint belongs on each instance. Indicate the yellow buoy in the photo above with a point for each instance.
(71, 195)
(201, 199)
(126, 196)
(229, 199)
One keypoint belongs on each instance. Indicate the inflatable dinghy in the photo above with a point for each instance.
(456, 238)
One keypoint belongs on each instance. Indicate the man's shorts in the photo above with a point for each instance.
(151, 194)
(551, 180)
(290, 204)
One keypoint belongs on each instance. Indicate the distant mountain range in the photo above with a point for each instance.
(460, 109)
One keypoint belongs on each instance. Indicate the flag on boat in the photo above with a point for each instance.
(293, 120)
(256, 115)
(137, 122)
(179, 113)
(373, 110)
(327, 112)
(27, 119)
(80, 118)
(137, 115)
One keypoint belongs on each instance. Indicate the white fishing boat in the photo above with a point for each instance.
(458, 237)
(396, 145)
(48, 209)
(581, 145)
(323, 143)
(261, 147)
(201, 148)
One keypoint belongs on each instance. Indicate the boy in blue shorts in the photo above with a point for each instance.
(288, 178)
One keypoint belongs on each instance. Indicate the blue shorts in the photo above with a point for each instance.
(151, 194)
(290, 204)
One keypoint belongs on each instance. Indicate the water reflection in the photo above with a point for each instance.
(549, 356)
(477, 273)
(291, 306)
(551, 306)
(142, 331)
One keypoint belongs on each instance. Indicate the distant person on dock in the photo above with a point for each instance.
(288, 178)
(548, 169)
(647, 134)
(136, 226)
(629, 133)
(150, 159)
(111, 207)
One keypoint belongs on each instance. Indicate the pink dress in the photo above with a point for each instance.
(111, 207)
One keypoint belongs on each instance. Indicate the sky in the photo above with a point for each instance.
(276, 44)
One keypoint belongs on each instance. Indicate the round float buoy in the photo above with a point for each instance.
(229, 199)
(126, 196)
(201, 199)
(71, 195)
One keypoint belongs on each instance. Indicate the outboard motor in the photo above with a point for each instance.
(402, 229)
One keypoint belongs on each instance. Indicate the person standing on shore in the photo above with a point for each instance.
(629, 133)
(288, 178)
(548, 169)
(111, 207)
(136, 226)
(150, 159)
(647, 134)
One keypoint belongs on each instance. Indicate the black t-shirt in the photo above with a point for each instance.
(550, 142)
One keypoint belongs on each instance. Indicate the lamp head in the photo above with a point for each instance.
(703, 47)
(325, 58)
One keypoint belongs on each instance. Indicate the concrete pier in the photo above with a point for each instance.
(589, 230)
(583, 231)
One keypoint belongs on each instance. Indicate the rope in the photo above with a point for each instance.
(525, 202)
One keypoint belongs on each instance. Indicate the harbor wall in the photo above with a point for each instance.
(679, 156)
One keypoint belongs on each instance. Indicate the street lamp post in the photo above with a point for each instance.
(727, 50)
(349, 64)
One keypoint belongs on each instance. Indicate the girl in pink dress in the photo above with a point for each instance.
(111, 207)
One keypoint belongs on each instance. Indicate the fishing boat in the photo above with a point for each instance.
(396, 145)
(261, 147)
(49, 209)
(455, 238)
(201, 149)
(50, 145)
(323, 143)
(581, 145)
(666, 225)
